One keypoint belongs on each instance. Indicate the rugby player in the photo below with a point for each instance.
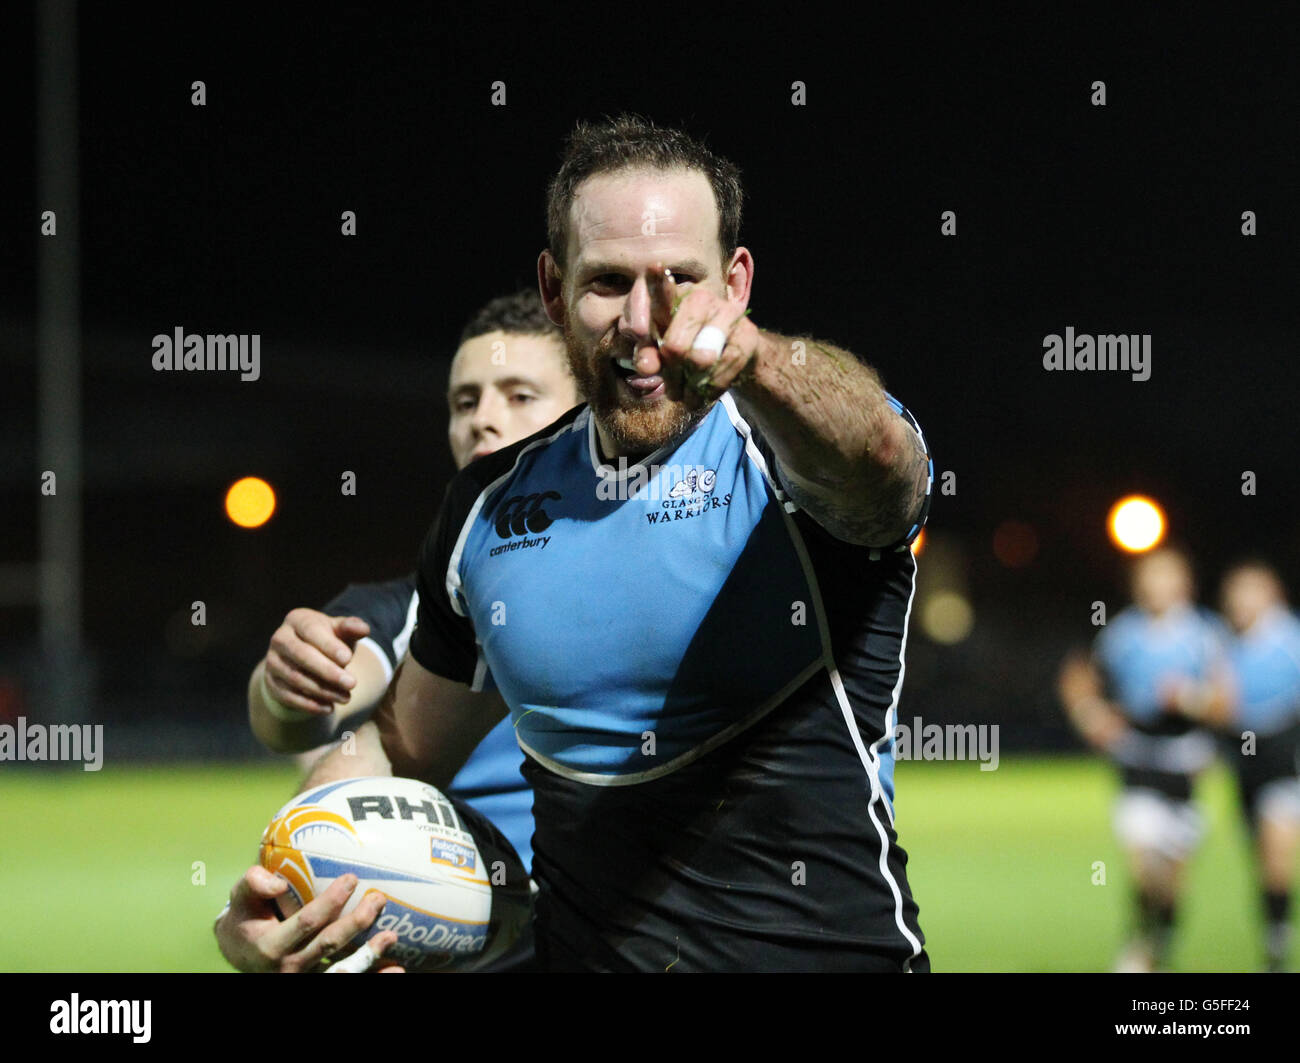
(690, 596)
(1156, 678)
(325, 671)
(1264, 741)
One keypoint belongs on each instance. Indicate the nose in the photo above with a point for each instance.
(637, 325)
(634, 323)
(487, 414)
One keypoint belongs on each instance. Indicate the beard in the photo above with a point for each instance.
(637, 427)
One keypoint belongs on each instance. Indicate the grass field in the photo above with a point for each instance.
(97, 870)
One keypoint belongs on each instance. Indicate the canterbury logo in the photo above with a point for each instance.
(523, 514)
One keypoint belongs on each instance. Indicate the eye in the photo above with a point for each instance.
(521, 398)
(683, 278)
(610, 281)
(464, 404)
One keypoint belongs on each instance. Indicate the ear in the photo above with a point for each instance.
(740, 276)
(550, 283)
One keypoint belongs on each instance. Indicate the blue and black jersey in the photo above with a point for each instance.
(491, 780)
(705, 684)
(1266, 668)
(1263, 746)
(1143, 657)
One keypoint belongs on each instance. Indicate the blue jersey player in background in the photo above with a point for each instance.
(325, 671)
(1156, 681)
(1264, 740)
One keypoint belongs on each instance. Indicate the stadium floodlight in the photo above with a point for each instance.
(1136, 524)
(250, 502)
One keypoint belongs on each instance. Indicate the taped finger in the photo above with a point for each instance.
(710, 338)
(358, 963)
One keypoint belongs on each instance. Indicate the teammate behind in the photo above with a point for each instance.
(326, 670)
(1156, 676)
(1265, 738)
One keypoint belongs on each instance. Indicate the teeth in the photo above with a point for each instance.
(625, 363)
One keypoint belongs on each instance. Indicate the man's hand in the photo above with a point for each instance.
(1206, 702)
(253, 939)
(306, 661)
(844, 455)
(704, 372)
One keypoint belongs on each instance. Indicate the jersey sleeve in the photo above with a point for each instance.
(906, 541)
(915, 530)
(443, 640)
(388, 607)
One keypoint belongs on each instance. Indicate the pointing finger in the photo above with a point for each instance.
(663, 297)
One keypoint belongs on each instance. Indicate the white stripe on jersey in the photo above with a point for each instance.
(453, 565)
(870, 760)
(403, 638)
(396, 650)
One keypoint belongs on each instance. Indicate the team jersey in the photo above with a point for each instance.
(1142, 657)
(490, 781)
(705, 683)
(1266, 668)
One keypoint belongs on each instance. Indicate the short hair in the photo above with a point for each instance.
(629, 141)
(1172, 551)
(1254, 563)
(520, 314)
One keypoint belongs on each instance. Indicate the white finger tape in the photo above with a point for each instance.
(358, 963)
(710, 338)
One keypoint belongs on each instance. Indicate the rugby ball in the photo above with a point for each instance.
(458, 896)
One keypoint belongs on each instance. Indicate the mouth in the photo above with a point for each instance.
(638, 386)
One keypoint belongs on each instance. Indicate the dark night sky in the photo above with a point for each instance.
(226, 218)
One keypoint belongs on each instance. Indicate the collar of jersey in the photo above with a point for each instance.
(615, 474)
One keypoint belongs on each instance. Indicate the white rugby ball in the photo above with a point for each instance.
(458, 896)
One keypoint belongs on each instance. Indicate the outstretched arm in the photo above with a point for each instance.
(1080, 688)
(843, 452)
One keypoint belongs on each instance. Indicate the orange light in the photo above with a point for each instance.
(1015, 543)
(250, 502)
(918, 544)
(1136, 524)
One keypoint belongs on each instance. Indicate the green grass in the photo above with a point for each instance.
(1001, 864)
(96, 868)
(97, 874)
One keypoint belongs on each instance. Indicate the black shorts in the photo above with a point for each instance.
(762, 855)
(1274, 760)
(1177, 786)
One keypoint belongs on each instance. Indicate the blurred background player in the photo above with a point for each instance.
(326, 670)
(1156, 678)
(1262, 745)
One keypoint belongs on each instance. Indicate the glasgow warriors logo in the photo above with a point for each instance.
(694, 481)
